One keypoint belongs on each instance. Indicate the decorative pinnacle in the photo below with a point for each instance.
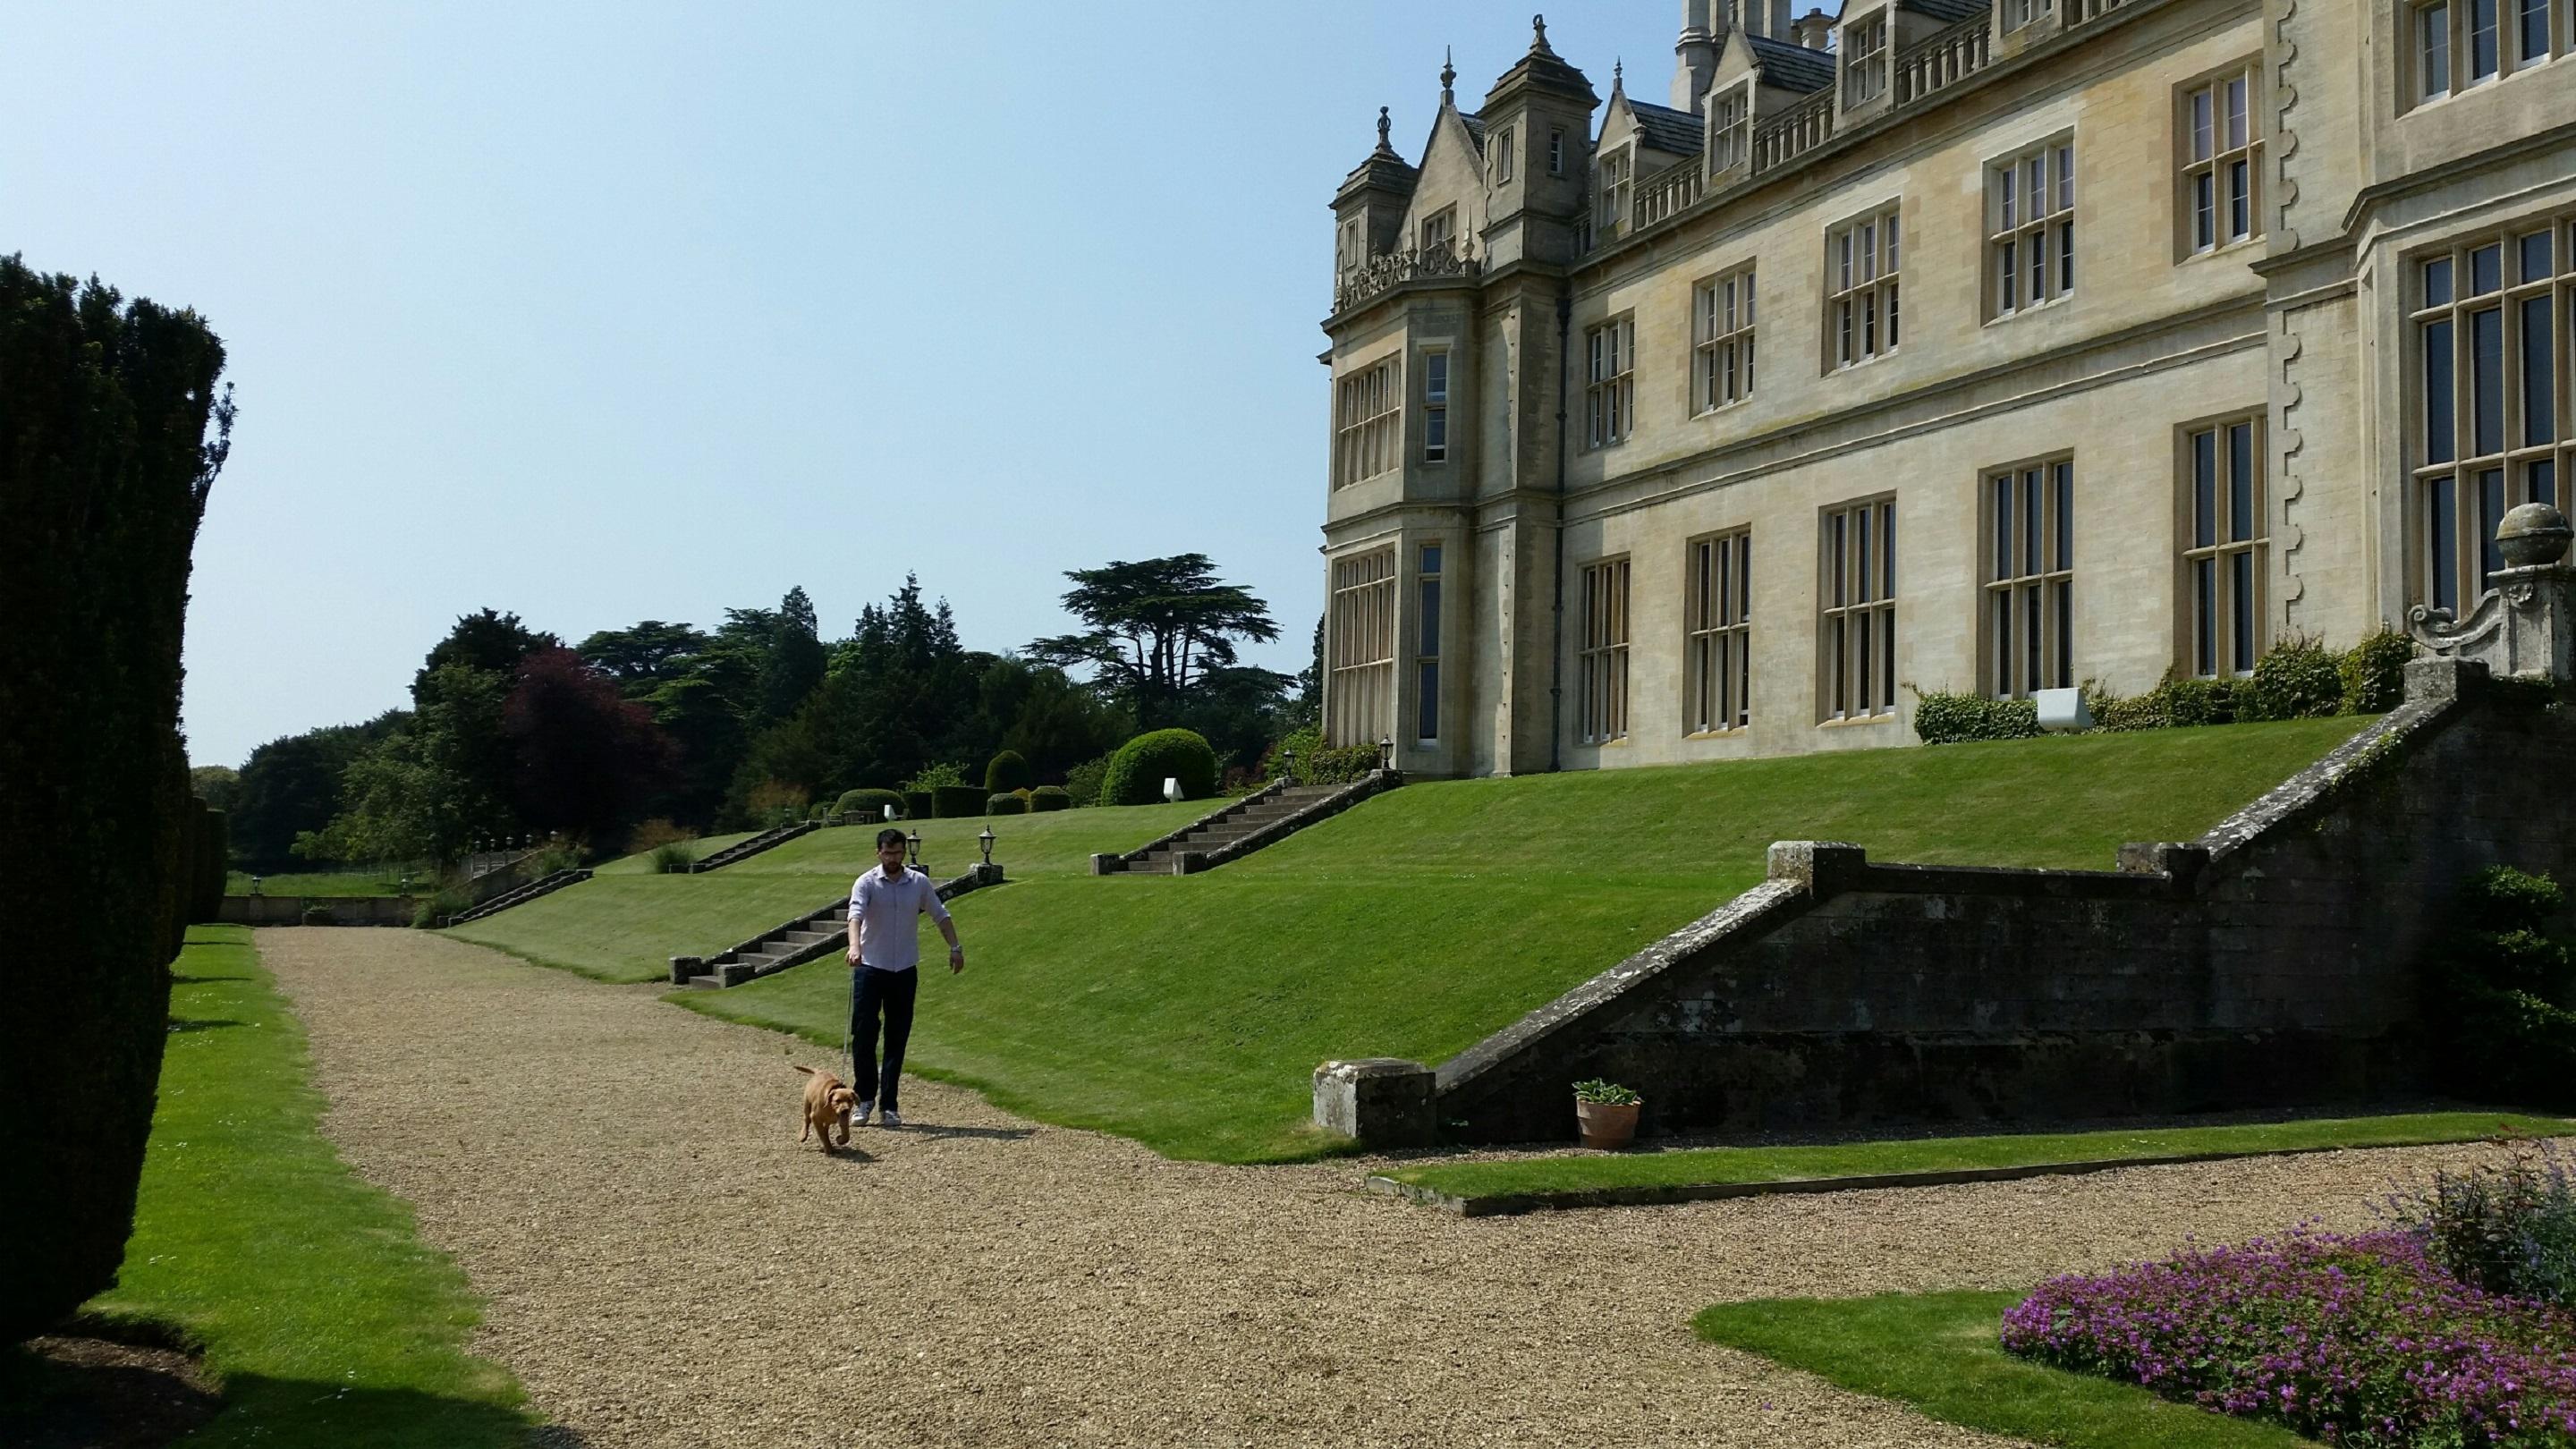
(1617, 69)
(1538, 37)
(1383, 126)
(1448, 73)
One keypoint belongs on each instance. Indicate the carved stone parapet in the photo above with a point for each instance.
(1381, 272)
(2526, 623)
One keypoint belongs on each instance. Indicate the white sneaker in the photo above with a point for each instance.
(859, 1113)
(891, 1118)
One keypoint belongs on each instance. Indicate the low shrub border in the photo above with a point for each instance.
(2295, 679)
(1479, 1189)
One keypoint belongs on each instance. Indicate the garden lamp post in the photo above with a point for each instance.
(1288, 766)
(916, 849)
(986, 840)
(254, 885)
(1385, 752)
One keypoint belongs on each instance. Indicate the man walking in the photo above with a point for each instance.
(886, 906)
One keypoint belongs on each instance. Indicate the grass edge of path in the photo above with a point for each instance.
(1941, 1355)
(307, 1290)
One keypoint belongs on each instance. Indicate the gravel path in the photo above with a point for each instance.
(666, 1266)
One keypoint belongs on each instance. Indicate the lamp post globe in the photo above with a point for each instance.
(986, 840)
(915, 842)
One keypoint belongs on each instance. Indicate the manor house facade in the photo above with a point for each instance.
(1989, 345)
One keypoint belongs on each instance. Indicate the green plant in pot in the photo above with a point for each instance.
(1606, 1114)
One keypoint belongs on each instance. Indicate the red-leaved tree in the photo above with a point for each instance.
(589, 759)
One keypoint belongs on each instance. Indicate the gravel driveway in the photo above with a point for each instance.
(666, 1266)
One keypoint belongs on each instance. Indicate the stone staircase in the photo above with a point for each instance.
(542, 885)
(1243, 826)
(754, 846)
(809, 937)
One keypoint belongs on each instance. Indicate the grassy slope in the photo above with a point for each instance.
(641, 862)
(625, 925)
(368, 881)
(328, 1321)
(1188, 1013)
(1943, 1154)
(1940, 1352)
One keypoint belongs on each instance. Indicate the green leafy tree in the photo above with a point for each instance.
(1156, 626)
(291, 786)
(217, 785)
(645, 657)
(426, 790)
(487, 640)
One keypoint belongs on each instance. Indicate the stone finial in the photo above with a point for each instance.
(1618, 72)
(1538, 36)
(1448, 76)
(2533, 534)
(1383, 127)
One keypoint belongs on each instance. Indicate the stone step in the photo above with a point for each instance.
(805, 938)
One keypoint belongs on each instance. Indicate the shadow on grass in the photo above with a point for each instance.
(307, 1414)
(176, 979)
(202, 1023)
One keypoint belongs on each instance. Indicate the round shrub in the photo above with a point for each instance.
(1137, 771)
(1005, 803)
(2297, 679)
(1049, 797)
(2374, 672)
(1007, 772)
(956, 802)
(870, 804)
(916, 804)
(823, 813)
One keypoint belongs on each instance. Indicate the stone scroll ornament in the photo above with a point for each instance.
(2526, 622)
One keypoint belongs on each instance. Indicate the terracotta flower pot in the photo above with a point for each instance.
(1604, 1126)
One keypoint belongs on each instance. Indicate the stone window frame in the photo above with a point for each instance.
(1610, 382)
(1439, 229)
(2450, 28)
(1360, 666)
(2465, 467)
(1730, 126)
(2222, 565)
(1436, 384)
(2013, 229)
(1601, 651)
(2206, 156)
(1427, 616)
(1863, 270)
(1615, 173)
(1717, 632)
(2017, 14)
(1556, 150)
(1368, 406)
(2026, 598)
(1502, 155)
(1722, 332)
(1865, 54)
(1856, 597)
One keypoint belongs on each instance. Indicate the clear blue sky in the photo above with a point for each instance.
(608, 312)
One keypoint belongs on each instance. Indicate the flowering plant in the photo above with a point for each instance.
(2357, 1340)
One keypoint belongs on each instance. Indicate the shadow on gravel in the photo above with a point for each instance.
(1007, 1134)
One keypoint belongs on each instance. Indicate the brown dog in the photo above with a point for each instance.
(827, 1105)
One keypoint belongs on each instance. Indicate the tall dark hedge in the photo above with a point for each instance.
(211, 866)
(105, 461)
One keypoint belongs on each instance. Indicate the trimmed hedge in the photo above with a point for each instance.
(1008, 771)
(916, 805)
(2297, 679)
(1049, 797)
(1005, 803)
(105, 462)
(955, 802)
(1138, 769)
(869, 803)
(1943, 717)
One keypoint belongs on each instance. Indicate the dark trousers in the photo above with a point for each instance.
(872, 990)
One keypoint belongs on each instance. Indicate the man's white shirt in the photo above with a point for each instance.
(889, 910)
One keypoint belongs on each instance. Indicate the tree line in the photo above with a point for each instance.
(511, 732)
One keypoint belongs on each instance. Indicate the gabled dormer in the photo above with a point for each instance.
(1447, 214)
(1641, 143)
(1369, 209)
(1758, 80)
(1537, 121)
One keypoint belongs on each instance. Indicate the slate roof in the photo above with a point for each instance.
(1665, 129)
(1948, 12)
(1475, 129)
(1791, 66)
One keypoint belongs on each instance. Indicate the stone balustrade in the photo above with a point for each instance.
(1943, 59)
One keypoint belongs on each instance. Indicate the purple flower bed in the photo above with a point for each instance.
(2354, 1340)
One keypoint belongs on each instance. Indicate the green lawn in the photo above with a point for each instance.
(1189, 1012)
(641, 862)
(1600, 1172)
(1941, 1353)
(1027, 847)
(326, 1319)
(356, 881)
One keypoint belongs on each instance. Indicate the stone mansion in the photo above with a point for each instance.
(1944, 344)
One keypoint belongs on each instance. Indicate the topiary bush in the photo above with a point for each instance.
(1006, 772)
(869, 804)
(1005, 803)
(1082, 782)
(824, 813)
(1049, 797)
(916, 805)
(2295, 679)
(2374, 672)
(1137, 771)
(1946, 717)
(956, 802)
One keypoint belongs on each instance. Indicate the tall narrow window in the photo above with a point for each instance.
(1604, 660)
(2458, 44)
(1856, 599)
(1722, 357)
(2482, 40)
(1610, 383)
(2490, 358)
(2030, 578)
(1435, 407)
(1367, 407)
(1611, 193)
(1861, 289)
(2018, 13)
(2224, 551)
(1359, 700)
(1426, 648)
(2030, 228)
(2433, 49)
(1864, 59)
(2222, 161)
(1730, 126)
(1555, 151)
(2532, 31)
(1503, 154)
(1717, 682)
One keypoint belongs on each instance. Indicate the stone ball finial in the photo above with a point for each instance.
(2533, 534)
